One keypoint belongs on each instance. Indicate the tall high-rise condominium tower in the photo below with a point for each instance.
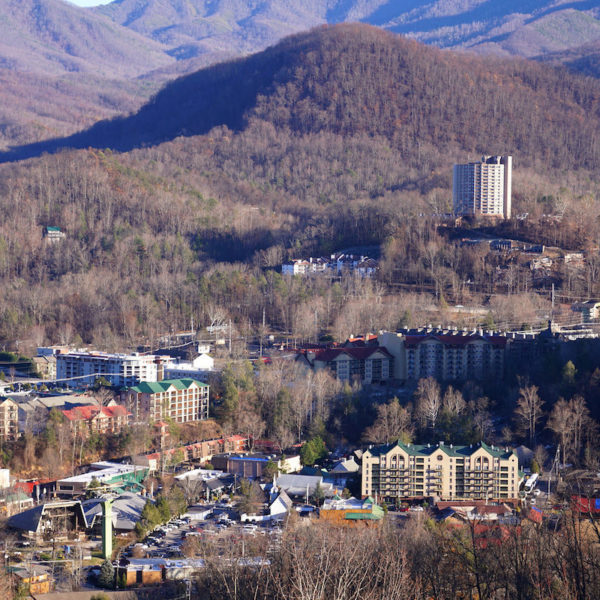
(483, 188)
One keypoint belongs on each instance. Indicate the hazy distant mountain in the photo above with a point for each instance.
(526, 27)
(52, 37)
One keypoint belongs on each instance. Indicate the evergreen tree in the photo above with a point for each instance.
(106, 578)
(313, 451)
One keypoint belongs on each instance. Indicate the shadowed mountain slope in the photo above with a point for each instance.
(34, 106)
(583, 59)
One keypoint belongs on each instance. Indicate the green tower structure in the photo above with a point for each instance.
(107, 529)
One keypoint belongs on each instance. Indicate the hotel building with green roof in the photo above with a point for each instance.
(400, 471)
(181, 400)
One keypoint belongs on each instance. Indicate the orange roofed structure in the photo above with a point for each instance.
(97, 419)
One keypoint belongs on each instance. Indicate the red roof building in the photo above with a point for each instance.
(96, 419)
(369, 364)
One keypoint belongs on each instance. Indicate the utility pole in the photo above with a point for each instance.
(229, 336)
(262, 333)
(555, 464)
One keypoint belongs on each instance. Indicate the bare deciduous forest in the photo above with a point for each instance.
(421, 560)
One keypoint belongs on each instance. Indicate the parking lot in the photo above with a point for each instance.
(166, 541)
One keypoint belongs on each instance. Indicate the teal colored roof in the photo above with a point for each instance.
(17, 496)
(52, 228)
(427, 450)
(156, 387)
(363, 516)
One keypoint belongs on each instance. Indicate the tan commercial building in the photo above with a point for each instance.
(445, 355)
(9, 420)
(483, 188)
(402, 471)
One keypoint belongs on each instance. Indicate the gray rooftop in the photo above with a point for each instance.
(126, 510)
(296, 485)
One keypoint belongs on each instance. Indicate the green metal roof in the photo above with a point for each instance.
(157, 387)
(363, 516)
(427, 450)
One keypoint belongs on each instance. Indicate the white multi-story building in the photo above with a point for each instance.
(483, 188)
(199, 369)
(119, 369)
(300, 266)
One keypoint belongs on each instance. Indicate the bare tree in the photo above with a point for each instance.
(561, 424)
(528, 411)
(428, 401)
(393, 422)
(325, 388)
(248, 420)
(104, 395)
(581, 420)
(192, 489)
(481, 416)
(453, 401)
(318, 562)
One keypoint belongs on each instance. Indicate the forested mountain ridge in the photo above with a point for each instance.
(35, 106)
(357, 79)
(197, 27)
(110, 59)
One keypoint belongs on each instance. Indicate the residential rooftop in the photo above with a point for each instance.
(449, 449)
(101, 472)
(157, 387)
